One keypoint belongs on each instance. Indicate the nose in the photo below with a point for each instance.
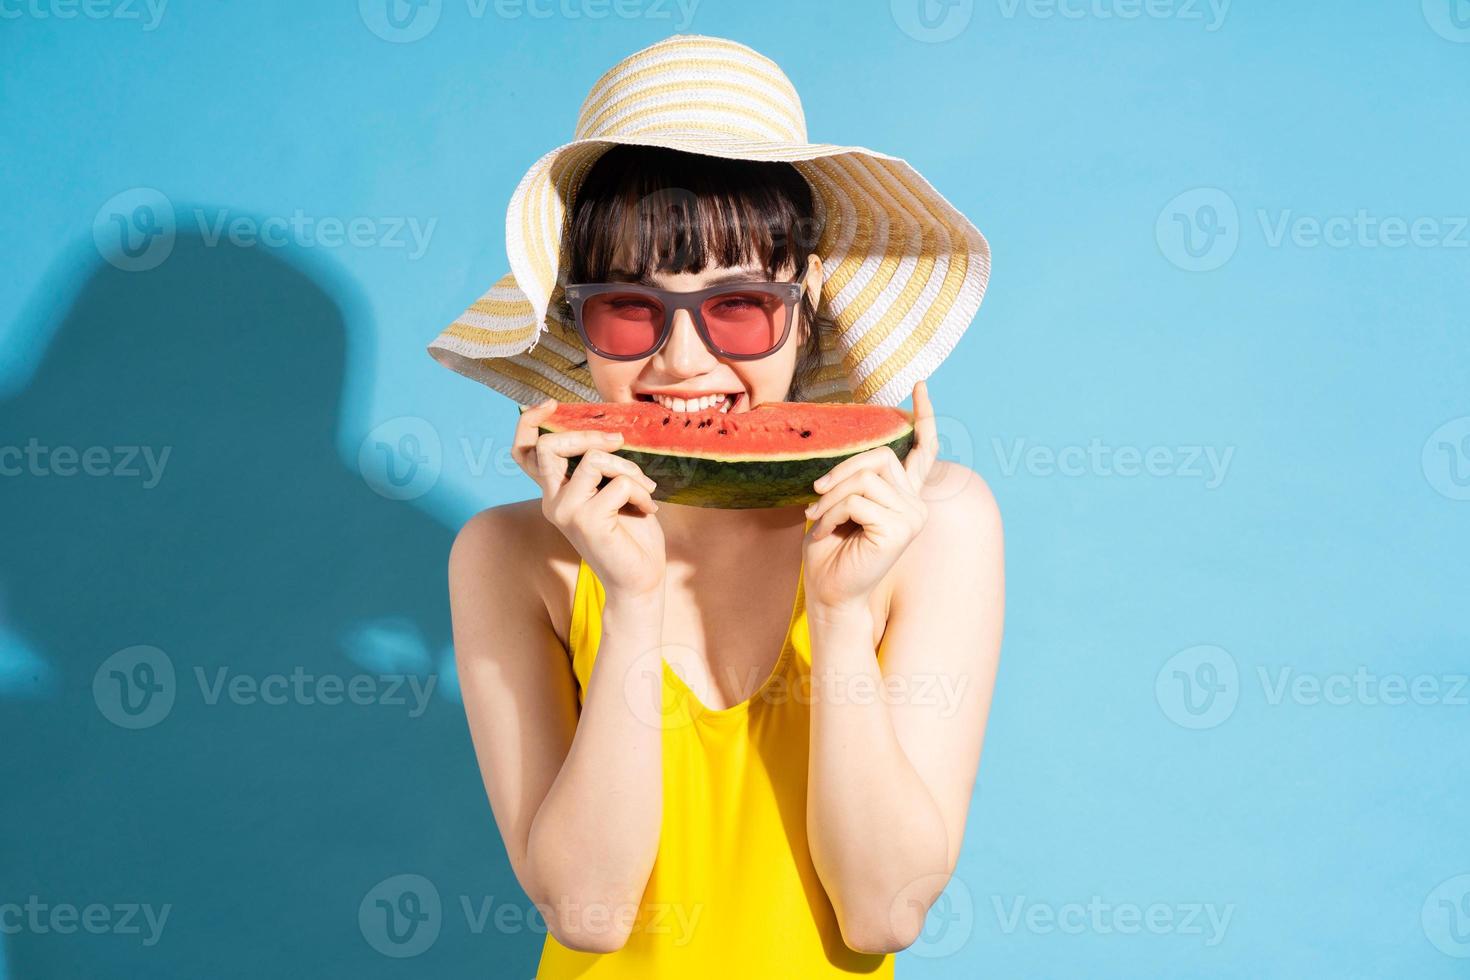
(685, 355)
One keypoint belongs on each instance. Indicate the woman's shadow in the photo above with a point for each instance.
(302, 793)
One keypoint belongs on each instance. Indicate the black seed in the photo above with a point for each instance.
(686, 423)
(666, 420)
(805, 433)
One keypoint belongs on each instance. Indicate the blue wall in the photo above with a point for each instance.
(1219, 387)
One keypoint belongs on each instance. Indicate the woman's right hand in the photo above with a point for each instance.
(625, 550)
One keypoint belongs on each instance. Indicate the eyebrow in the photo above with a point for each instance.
(740, 275)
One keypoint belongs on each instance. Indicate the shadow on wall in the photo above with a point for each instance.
(226, 749)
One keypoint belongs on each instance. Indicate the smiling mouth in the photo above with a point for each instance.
(724, 404)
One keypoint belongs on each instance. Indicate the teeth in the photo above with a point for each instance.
(694, 404)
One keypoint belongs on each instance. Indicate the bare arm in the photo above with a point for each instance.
(578, 801)
(894, 752)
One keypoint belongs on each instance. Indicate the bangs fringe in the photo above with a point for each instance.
(648, 209)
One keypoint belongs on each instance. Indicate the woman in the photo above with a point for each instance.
(725, 742)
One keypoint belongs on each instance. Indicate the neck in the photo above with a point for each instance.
(692, 531)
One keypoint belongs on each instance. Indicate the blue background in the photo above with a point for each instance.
(1138, 751)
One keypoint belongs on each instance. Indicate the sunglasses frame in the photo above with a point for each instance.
(578, 294)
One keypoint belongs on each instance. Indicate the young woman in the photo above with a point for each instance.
(721, 742)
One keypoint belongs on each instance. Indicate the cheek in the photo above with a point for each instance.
(614, 379)
(769, 377)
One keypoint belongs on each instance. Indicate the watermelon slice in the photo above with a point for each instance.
(767, 457)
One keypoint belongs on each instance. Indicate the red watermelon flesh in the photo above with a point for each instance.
(766, 457)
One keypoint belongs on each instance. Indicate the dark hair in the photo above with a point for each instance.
(648, 209)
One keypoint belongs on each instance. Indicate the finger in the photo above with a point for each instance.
(597, 464)
(553, 449)
(611, 499)
(524, 443)
(868, 460)
(926, 437)
(870, 483)
(895, 474)
(858, 509)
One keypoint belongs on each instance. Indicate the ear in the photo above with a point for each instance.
(815, 275)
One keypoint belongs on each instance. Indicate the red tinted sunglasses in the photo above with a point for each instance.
(628, 321)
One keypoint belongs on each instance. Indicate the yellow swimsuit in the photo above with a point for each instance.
(733, 892)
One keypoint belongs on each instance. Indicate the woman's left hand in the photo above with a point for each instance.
(880, 497)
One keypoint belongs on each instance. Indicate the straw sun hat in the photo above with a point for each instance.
(904, 270)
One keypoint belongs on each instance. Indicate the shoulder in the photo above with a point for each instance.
(962, 533)
(509, 541)
(959, 499)
(513, 550)
(495, 531)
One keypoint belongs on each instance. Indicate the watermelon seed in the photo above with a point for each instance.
(805, 433)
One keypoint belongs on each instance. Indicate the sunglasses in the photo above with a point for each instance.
(626, 321)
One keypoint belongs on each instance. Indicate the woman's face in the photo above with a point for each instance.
(684, 368)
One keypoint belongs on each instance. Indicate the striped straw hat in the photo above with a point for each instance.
(904, 270)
